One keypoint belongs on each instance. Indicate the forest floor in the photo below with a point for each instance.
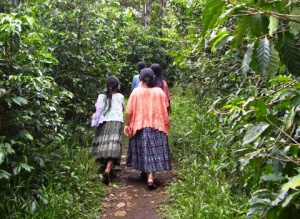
(128, 196)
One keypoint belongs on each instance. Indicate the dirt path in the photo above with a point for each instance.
(129, 198)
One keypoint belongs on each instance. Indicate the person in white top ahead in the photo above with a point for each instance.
(108, 118)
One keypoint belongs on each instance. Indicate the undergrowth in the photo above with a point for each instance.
(68, 185)
(207, 185)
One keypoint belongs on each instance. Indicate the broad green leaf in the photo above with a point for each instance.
(241, 28)
(280, 196)
(273, 25)
(229, 107)
(212, 10)
(27, 135)
(263, 55)
(33, 206)
(297, 134)
(129, 14)
(255, 22)
(290, 199)
(26, 167)
(257, 204)
(222, 32)
(261, 192)
(260, 108)
(295, 101)
(2, 157)
(20, 100)
(4, 174)
(189, 3)
(2, 92)
(295, 27)
(29, 20)
(254, 132)
(289, 53)
(281, 78)
(226, 14)
(255, 200)
(277, 163)
(287, 92)
(220, 42)
(272, 177)
(294, 150)
(272, 213)
(40, 161)
(247, 58)
(280, 6)
(17, 169)
(16, 2)
(289, 119)
(9, 149)
(274, 61)
(46, 57)
(292, 183)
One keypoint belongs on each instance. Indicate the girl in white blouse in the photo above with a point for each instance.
(107, 145)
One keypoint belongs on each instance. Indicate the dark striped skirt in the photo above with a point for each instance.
(148, 151)
(107, 142)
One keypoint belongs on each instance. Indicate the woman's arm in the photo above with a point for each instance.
(127, 119)
(169, 108)
(127, 129)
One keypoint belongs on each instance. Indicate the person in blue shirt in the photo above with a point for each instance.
(136, 78)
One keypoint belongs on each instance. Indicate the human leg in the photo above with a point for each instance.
(151, 184)
(109, 165)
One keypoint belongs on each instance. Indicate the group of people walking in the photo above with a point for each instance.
(146, 124)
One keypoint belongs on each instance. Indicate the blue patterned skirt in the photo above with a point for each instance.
(148, 151)
(107, 142)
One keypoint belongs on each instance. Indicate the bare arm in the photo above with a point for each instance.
(127, 129)
(169, 108)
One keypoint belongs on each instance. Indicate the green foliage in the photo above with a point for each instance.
(254, 22)
(263, 55)
(247, 58)
(206, 186)
(211, 12)
(241, 28)
(255, 80)
(274, 61)
(66, 184)
(289, 52)
(55, 57)
(268, 148)
(254, 132)
(241, 58)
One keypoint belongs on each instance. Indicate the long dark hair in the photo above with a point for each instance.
(112, 85)
(158, 75)
(147, 76)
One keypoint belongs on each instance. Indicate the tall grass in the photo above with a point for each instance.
(207, 185)
(66, 185)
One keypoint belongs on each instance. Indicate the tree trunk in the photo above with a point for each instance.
(147, 10)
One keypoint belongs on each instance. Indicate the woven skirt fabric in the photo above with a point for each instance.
(107, 142)
(148, 151)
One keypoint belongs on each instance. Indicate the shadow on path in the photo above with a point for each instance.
(129, 198)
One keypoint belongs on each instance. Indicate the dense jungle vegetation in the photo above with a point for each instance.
(234, 66)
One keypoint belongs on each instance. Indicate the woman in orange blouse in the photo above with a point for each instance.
(147, 125)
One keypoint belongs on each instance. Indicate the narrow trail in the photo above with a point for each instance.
(129, 198)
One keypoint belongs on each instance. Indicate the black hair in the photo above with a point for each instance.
(158, 75)
(112, 84)
(147, 76)
(141, 65)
